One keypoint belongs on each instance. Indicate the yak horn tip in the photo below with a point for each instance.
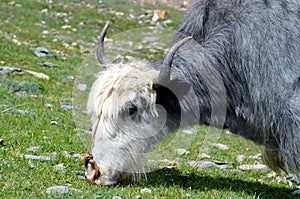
(170, 55)
(100, 49)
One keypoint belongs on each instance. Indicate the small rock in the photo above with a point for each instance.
(257, 157)
(204, 156)
(200, 164)
(31, 166)
(81, 87)
(33, 149)
(137, 197)
(1, 142)
(66, 27)
(48, 106)
(256, 167)
(167, 22)
(37, 74)
(220, 146)
(181, 151)
(60, 167)
(11, 3)
(54, 123)
(146, 190)
(35, 157)
(67, 154)
(271, 175)
(188, 131)
(76, 155)
(185, 174)
(71, 78)
(6, 70)
(66, 106)
(41, 52)
(222, 166)
(23, 112)
(57, 190)
(240, 158)
(116, 197)
(48, 64)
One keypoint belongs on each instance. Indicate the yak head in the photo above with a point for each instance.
(125, 116)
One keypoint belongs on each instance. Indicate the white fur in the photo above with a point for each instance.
(114, 146)
(118, 85)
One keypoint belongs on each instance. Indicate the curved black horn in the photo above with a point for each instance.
(100, 49)
(167, 63)
(169, 56)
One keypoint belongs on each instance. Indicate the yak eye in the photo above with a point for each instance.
(132, 109)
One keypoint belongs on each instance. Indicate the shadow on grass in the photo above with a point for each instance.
(172, 177)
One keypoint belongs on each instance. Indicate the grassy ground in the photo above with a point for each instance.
(31, 112)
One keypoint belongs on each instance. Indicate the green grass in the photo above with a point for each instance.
(25, 120)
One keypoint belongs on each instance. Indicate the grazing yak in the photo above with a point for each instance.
(234, 64)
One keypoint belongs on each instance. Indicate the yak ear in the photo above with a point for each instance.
(179, 87)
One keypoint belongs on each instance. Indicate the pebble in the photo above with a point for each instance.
(36, 157)
(186, 174)
(81, 87)
(31, 166)
(60, 167)
(240, 158)
(67, 154)
(220, 146)
(146, 190)
(204, 156)
(222, 166)
(41, 52)
(6, 70)
(48, 64)
(33, 149)
(71, 78)
(256, 167)
(257, 157)
(181, 151)
(116, 197)
(48, 105)
(54, 123)
(188, 131)
(76, 155)
(57, 190)
(271, 175)
(200, 164)
(66, 106)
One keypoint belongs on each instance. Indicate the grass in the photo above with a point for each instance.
(29, 105)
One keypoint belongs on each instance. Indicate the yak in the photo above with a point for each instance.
(234, 64)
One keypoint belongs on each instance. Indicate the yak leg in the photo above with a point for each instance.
(273, 159)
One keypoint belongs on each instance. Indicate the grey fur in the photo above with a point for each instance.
(244, 61)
